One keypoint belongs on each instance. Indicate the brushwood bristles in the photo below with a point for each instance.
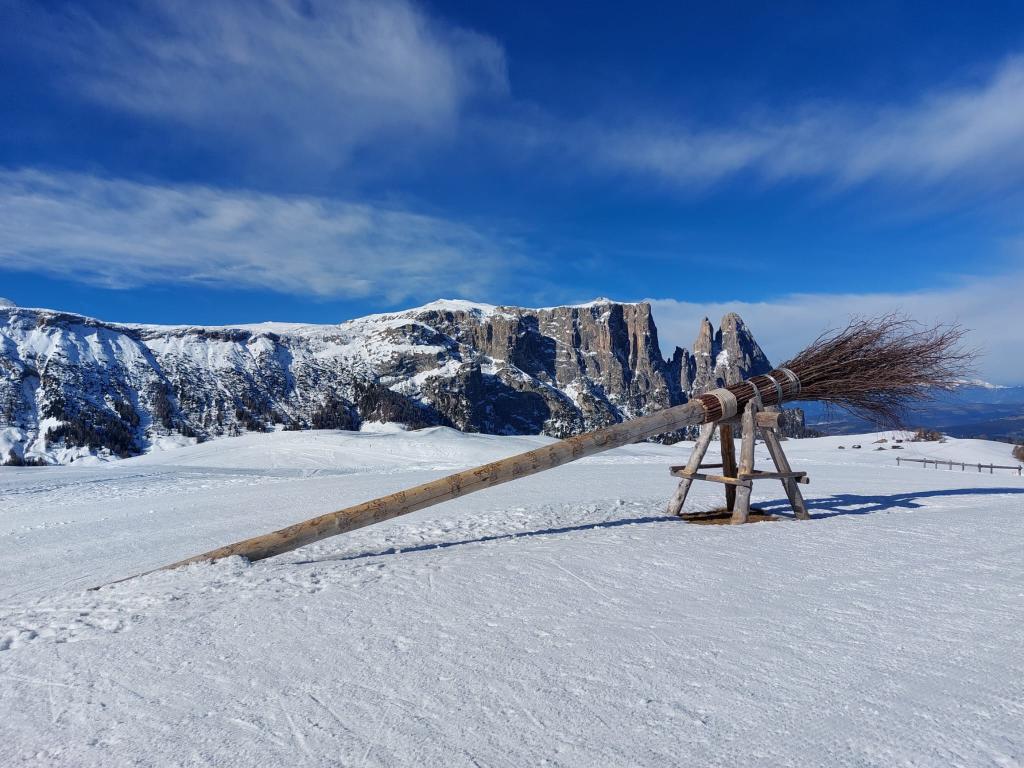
(877, 368)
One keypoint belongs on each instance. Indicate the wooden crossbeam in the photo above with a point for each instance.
(713, 478)
(800, 477)
(757, 474)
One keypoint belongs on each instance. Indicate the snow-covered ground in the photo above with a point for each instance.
(558, 620)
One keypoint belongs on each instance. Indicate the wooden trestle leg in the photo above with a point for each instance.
(796, 499)
(728, 463)
(741, 511)
(675, 504)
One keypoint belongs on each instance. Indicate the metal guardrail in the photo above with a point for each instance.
(949, 463)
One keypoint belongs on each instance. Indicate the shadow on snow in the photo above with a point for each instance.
(854, 504)
(494, 537)
(830, 506)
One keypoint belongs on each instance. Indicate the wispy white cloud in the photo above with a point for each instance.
(989, 307)
(309, 78)
(324, 79)
(123, 234)
(973, 132)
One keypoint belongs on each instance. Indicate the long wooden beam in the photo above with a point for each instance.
(722, 403)
(456, 485)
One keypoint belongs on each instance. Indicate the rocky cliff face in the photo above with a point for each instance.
(72, 386)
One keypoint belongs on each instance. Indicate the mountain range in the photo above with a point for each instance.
(72, 386)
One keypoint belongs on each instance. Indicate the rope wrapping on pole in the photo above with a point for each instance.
(727, 406)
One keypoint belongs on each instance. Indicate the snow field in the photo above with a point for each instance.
(558, 620)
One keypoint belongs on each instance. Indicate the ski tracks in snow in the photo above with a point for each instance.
(560, 621)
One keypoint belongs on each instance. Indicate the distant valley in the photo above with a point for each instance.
(972, 410)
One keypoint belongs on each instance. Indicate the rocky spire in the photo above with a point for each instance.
(738, 356)
(705, 353)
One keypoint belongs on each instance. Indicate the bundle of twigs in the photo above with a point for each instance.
(878, 368)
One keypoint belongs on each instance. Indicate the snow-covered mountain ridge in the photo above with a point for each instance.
(72, 386)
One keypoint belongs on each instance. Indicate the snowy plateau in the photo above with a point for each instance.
(560, 620)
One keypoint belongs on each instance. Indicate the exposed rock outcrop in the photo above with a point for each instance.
(72, 386)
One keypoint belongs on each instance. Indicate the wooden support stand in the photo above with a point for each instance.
(738, 481)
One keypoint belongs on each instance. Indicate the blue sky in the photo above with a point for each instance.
(313, 161)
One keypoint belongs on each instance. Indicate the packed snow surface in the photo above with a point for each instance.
(560, 620)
